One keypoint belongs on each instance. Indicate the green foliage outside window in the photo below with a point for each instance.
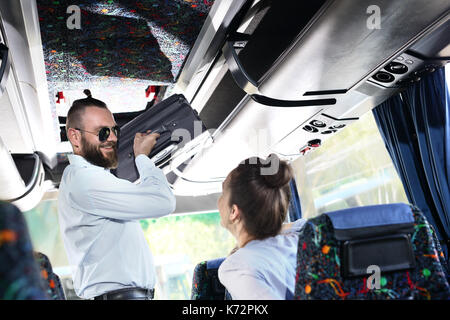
(200, 236)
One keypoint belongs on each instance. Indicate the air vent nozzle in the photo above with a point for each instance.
(383, 76)
(396, 68)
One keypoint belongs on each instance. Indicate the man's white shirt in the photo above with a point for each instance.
(99, 220)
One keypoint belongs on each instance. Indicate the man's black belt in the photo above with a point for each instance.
(128, 294)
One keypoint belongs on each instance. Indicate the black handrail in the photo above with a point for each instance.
(4, 67)
(250, 86)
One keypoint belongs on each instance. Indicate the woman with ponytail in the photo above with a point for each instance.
(253, 207)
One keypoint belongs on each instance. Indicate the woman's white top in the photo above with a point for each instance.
(263, 269)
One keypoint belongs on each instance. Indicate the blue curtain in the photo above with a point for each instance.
(295, 209)
(415, 126)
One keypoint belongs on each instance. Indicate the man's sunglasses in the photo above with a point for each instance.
(103, 133)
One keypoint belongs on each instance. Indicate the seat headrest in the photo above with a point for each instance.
(214, 264)
(365, 232)
(372, 221)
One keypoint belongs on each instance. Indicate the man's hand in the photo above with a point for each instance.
(144, 142)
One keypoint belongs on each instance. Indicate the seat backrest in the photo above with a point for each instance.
(337, 252)
(19, 273)
(205, 283)
(50, 280)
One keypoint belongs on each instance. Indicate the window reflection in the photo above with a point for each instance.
(350, 169)
(177, 242)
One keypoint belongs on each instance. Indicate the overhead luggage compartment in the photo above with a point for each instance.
(305, 71)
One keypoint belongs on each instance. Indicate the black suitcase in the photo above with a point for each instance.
(166, 117)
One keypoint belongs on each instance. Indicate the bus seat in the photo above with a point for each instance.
(441, 254)
(51, 281)
(206, 284)
(19, 273)
(337, 252)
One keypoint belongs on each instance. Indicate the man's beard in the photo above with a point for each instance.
(93, 154)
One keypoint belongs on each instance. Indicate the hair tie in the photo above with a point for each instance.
(88, 93)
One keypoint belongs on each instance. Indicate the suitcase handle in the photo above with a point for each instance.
(165, 128)
(158, 148)
(161, 130)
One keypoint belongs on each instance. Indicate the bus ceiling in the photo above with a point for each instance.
(293, 71)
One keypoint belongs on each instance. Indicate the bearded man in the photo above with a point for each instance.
(99, 213)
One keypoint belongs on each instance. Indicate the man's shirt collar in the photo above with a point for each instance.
(79, 161)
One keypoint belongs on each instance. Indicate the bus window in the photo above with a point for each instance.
(43, 226)
(178, 243)
(350, 169)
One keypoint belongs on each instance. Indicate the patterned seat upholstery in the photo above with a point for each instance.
(206, 284)
(50, 279)
(19, 273)
(320, 258)
(442, 258)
